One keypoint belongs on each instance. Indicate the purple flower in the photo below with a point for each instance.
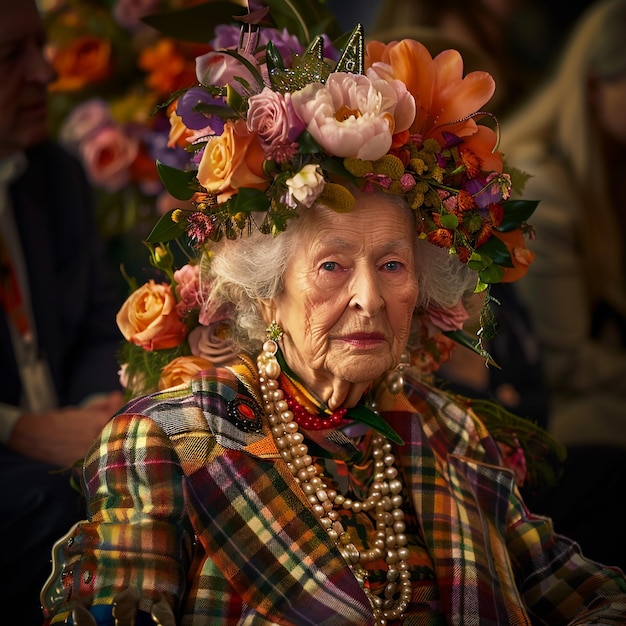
(194, 119)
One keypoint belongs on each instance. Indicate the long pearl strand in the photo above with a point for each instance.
(384, 498)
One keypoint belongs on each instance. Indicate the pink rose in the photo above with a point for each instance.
(187, 288)
(271, 115)
(210, 342)
(149, 319)
(108, 155)
(84, 120)
(448, 319)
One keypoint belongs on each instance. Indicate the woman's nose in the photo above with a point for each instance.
(366, 297)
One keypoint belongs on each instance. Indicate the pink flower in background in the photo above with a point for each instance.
(128, 13)
(84, 120)
(107, 155)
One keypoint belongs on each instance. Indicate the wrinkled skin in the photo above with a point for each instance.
(350, 291)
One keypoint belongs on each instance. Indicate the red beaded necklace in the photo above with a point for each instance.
(313, 422)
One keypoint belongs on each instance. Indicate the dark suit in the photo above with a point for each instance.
(74, 303)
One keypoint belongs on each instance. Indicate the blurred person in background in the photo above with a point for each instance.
(571, 139)
(58, 337)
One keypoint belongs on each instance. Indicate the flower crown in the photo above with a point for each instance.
(278, 122)
(272, 127)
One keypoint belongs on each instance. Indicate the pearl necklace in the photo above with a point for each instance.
(384, 498)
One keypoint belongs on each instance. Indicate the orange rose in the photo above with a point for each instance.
(520, 255)
(232, 160)
(85, 61)
(182, 370)
(148, 318)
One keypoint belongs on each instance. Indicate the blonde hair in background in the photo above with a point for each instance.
(561, 114)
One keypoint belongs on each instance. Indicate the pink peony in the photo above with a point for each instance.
(352, 115)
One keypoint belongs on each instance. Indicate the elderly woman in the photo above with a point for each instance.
(307, 473)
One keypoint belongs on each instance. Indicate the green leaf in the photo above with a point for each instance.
(364, 415)
(167, 229)
(334, 165)
(182, 185)
(307, 144)
(251, 68)
(516, 212)
(196, 23)
(469, 341)
(449, 221)
(491, 274)
(248, 200)
(225, 113)
(497, 251)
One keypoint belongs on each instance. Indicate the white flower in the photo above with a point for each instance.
(305, 186)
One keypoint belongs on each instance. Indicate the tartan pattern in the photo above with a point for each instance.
(172, 488)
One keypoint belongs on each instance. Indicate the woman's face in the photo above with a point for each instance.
(349, 293)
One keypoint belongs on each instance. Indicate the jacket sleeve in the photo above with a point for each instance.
(559, 585)
(136, 535)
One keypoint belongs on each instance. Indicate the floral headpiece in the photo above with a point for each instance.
(277, 123)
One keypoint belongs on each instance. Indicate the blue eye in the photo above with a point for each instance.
(329, 266)
(392, 266)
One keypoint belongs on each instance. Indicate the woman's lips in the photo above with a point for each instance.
(364, 340)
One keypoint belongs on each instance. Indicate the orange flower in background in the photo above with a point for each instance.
(520, 255)
(443, 96)
(84, 61)
(169, 65)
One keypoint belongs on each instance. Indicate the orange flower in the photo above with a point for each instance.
(444, 98)
(169, 65)
(148, 318)
(84, 61)
(232, 160)
(181, 370)
(520, 255)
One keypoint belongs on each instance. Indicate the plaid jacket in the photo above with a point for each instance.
(189, 499)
